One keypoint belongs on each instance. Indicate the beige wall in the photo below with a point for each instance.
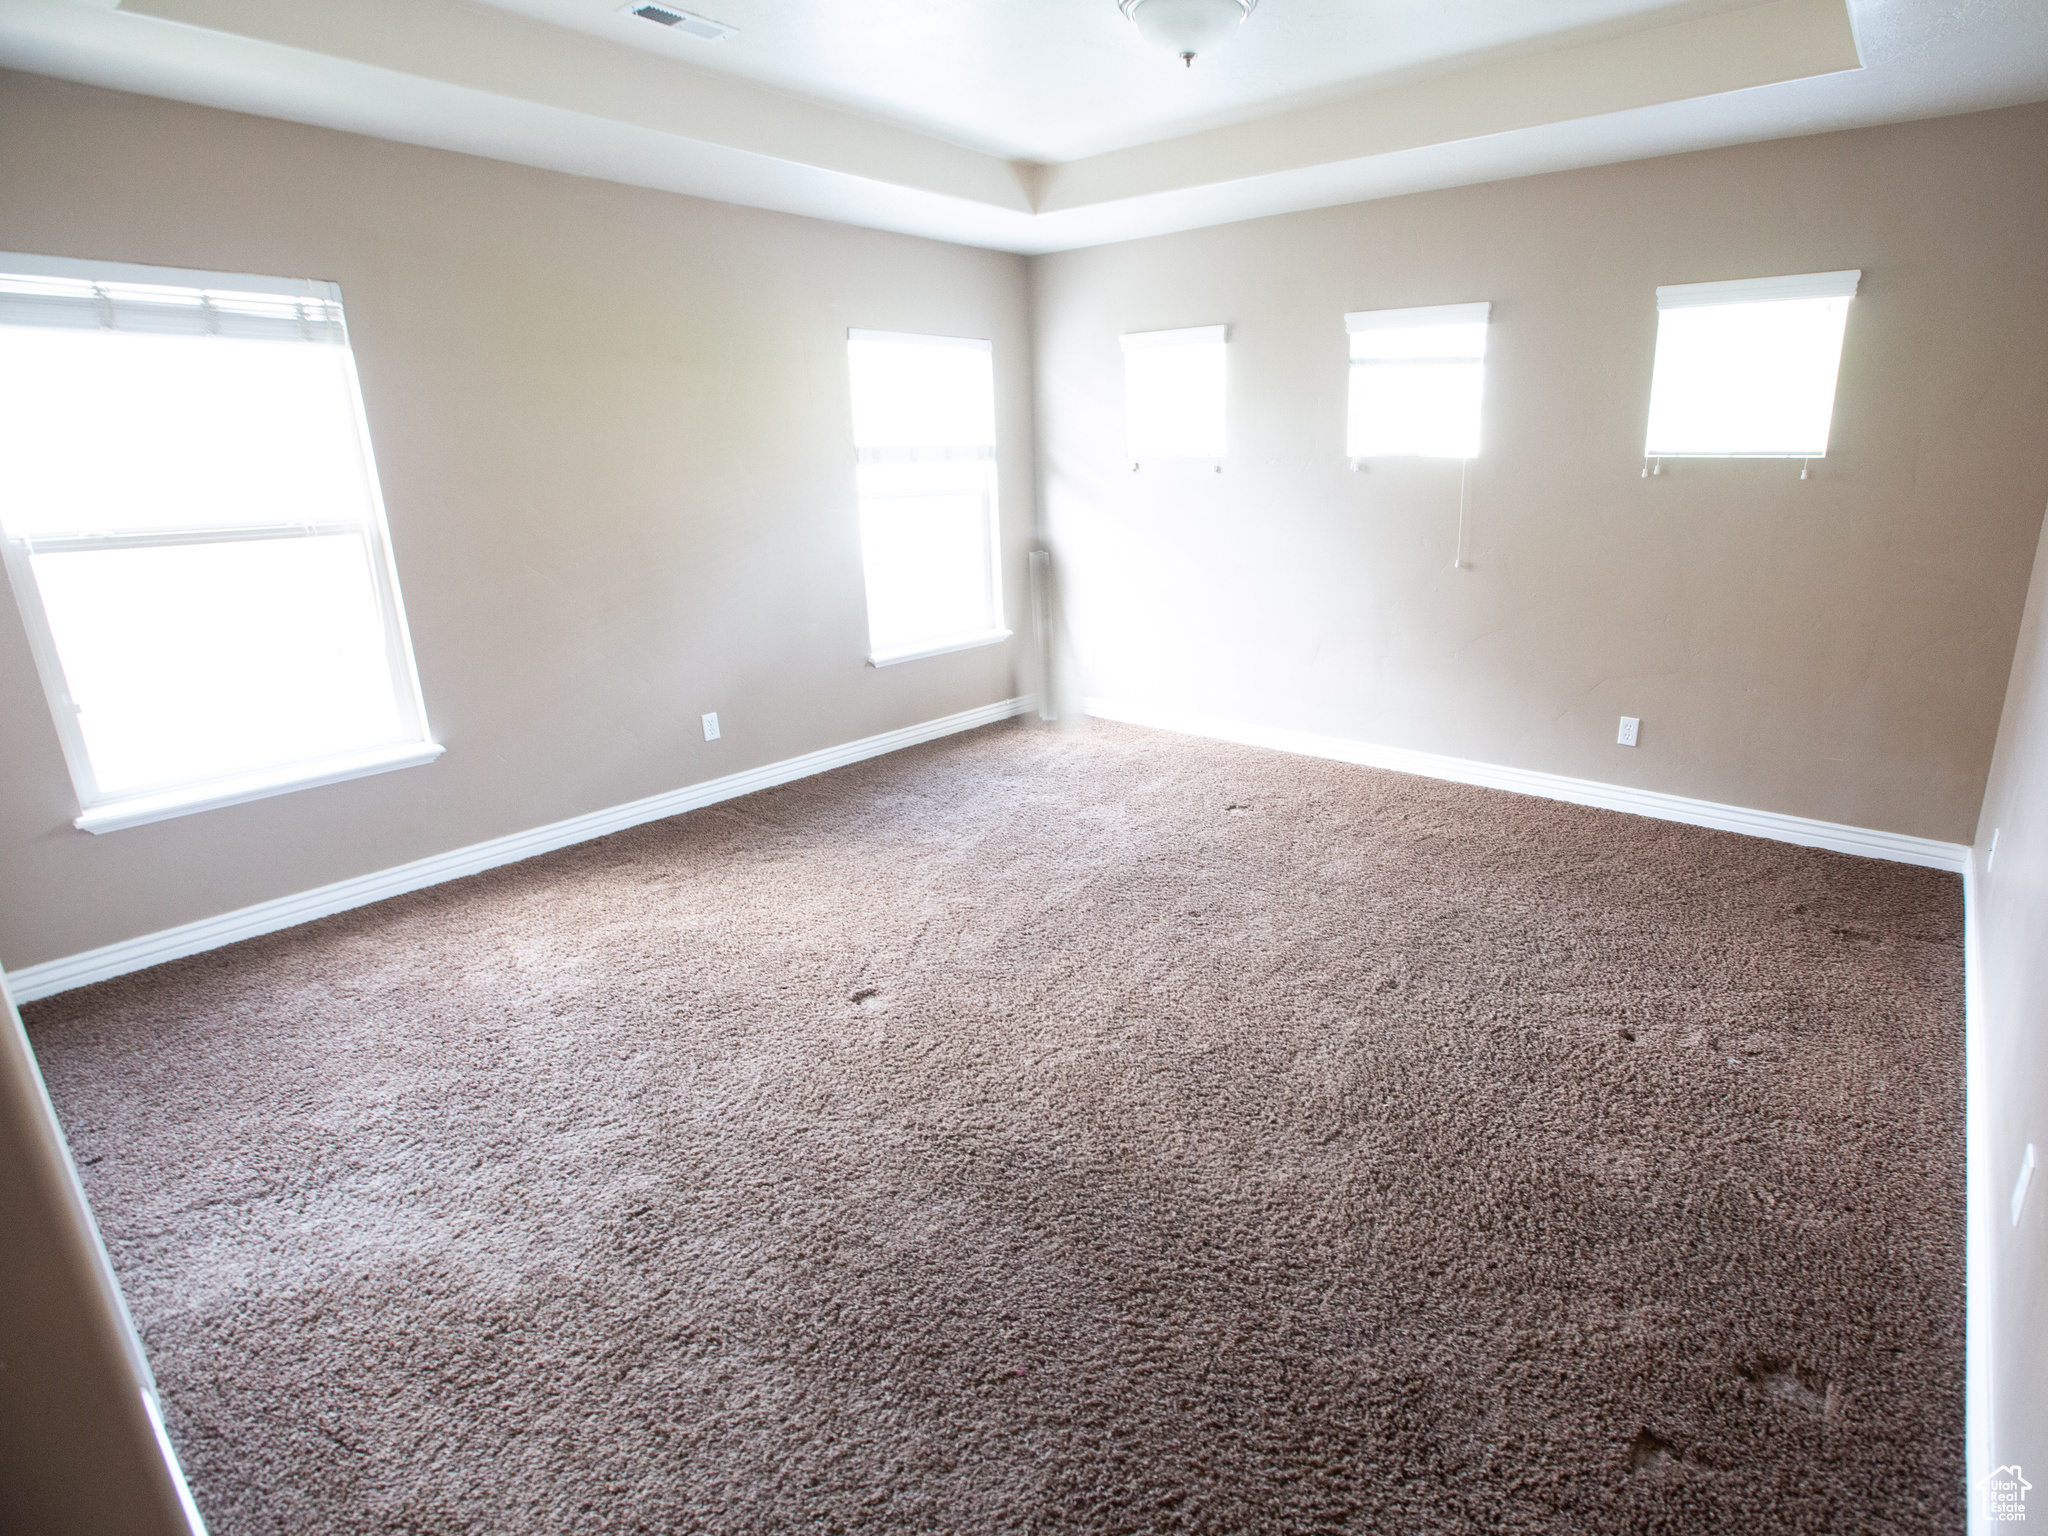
(613, 433)
(1835, 648)
(78, 1452)
(2010, 1092)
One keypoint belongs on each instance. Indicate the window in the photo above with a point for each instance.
(194, 536)
(1747, 369)
(924, 433)
(1416, 380)
(1173, 393)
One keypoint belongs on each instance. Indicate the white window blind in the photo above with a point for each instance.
(1417, 378)
(924, 437)
(194, 535)
(1747, 369)
(1174, 385)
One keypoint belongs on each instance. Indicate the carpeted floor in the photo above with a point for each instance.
(1107, 1132)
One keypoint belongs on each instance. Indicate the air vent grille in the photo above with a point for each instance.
(682, 21)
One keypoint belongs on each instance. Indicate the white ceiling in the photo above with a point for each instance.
(1055, 80)
(1034, 125)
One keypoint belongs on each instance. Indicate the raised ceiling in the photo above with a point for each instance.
(1035, 125)
(1055, 80)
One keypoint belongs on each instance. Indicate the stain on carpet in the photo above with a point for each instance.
(995, 1137)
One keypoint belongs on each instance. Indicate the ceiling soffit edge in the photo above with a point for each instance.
(502, 54)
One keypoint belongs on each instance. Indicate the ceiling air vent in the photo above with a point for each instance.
(682, 21)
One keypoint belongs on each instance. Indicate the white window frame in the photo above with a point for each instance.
(1188, 336)
(1420, 318)
(100, 812)
(987, 458)
(1748, 290)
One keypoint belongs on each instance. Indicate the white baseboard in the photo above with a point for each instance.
(34, 981)
(1869, 843)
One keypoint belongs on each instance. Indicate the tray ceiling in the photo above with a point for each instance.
(1047, 124)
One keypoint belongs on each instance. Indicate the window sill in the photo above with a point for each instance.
(987, 637)
(136, 810)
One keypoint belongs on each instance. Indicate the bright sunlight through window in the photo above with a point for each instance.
(1417, 376)
(1174, 393)
(924, 431)
(1747, 369)
(194, 534)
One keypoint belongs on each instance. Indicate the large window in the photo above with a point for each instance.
(1174, 393)
(195, 539)
(1747, 369)
(924, 432)
(1417, 377)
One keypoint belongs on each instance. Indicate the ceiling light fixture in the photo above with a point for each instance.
(1186, 27)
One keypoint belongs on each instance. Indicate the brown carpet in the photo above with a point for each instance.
(1036, 1132)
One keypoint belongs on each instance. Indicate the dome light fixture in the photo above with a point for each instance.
(1186, 27)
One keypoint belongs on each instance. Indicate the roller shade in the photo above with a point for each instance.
(1174, 393)
(1417, 378)
(1760, 290)
(1747, 369)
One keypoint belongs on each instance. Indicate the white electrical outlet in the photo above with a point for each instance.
(1627, 735)
(711, 726)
